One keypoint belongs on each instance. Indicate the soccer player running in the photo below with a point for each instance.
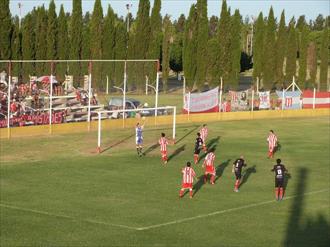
(198, 147)
(209, 166)
(280, 171)
(139, 138)
(188, 175)
(163, 142)
(204, 132)
(272, 143)
(237, 169)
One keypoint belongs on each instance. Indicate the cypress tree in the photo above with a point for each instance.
(190, 48)
(109, 43)
(28, 46)
(16, 51)
(41, 40)
(86, 42)
(76, 39)
(212, 62)
(324, 83)
(312, 65)
(235, 49)
(120, 50)
(223, 58)
(141, 41)
(63, 44)
(291, 54)
(280, 50)
(269, 51)
(96, 43)
(258, 48)
(154, 49)
(166, 50)
(202, 38)
(6, 29)
(303, 43)
(52, 32)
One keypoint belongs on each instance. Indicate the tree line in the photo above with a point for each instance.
(206, 50)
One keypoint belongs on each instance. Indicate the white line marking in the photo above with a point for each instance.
(225, 211)
(65, 216)
(157, 225)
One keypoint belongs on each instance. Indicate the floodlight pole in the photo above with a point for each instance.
(124, 93)
(8, 99)
(99, 133)
(184, 88)
(107, 90)
(157, 88)
(51, 96)
(89, 91)
(220, 101)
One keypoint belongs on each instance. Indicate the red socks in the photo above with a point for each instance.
(212, 179)
(196, 158)
(236, 184)
(181, 193)
(276, 193)
(281, 193)
(191, 193)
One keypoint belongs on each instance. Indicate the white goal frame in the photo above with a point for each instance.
(99, 127)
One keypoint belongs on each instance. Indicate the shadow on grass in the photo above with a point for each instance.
(247, 174)
(118, 143)
(187, 134)
(150, 149)
(211, 145)
(177, 152)
(314, 231)
(197, 186)
(220, 169)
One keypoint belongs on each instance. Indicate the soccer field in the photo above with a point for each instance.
(56, 191)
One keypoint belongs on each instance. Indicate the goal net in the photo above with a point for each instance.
(165, 115)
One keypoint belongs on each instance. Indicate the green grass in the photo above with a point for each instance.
(58, 192)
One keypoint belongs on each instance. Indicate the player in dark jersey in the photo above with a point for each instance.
(237, 169)
(198, 147)
(280, 171)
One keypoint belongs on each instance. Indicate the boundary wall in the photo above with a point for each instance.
(68, 128)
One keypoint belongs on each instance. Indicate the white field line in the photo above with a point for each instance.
(158, 225)
(64, 216)
(226, 211)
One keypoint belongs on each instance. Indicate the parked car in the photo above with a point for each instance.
(116, 103)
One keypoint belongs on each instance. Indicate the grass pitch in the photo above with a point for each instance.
(56, 191)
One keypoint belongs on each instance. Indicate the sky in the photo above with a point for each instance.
(310, 8)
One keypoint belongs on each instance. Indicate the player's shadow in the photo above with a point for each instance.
(220, 169)
(211, 145)
(117, 143)
(247, 174)
(305, 229)
(213, 142)
(150, 149)
(187, 134)
(287, 177)
(177, 152)
(197, 186)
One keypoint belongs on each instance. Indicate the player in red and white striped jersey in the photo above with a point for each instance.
(188, 175)
(204, 132)
(272, 143)
(209, 166)
(163, 142)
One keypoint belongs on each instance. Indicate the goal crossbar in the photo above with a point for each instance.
(132, 110)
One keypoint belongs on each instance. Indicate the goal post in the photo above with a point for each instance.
(99, 125)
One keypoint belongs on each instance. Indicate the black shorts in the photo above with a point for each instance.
(238, 175)
(197, 151)
(279, 182)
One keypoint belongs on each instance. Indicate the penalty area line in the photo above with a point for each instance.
(157, 225)
(226, 211)
(64, 216)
